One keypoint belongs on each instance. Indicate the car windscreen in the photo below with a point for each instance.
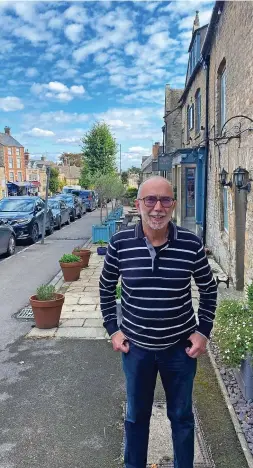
(53, 204)
(67, 199)
(84, 194)
(22, 205)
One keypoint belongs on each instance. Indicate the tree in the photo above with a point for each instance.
(99, 149)
(85, 179)
(102, 184)
(134, 170)
(71, 159)
(124, 177)
(62, 183)
(54, 180)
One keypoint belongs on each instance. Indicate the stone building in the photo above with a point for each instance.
(70, 175)
(149, 166)
(228, 47)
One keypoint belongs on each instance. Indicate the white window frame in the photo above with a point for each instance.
(222, 98)
(9, 151)
(18, 162)
(225, 209)
(20, 178)
(10, 162)
(11, 176)
(17, 151)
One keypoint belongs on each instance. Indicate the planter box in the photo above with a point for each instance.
(100, 233)
(244, 377)
(101, 250)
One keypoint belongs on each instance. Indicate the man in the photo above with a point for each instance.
(156, 260)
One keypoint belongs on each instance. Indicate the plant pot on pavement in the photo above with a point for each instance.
(71, 266)
(47, 307)
(84, 254)
(101, 250)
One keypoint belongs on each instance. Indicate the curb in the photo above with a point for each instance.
(58, 280)
(236, 424)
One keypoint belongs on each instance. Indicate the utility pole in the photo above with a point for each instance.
(45, 208)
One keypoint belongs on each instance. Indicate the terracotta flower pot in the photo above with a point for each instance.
(71, 271)
(47, 313)
(84, 254)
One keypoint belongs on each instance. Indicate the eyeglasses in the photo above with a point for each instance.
(150, 201)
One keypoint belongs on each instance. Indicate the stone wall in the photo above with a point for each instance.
(173, 120)
(232, 47)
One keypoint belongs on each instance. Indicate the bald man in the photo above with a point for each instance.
(159, 332)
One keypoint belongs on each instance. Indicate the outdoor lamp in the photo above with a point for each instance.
(223, 179)
(240, 177)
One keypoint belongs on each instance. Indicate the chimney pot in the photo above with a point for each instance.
(7, 130)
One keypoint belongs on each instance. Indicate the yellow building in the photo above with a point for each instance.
(2, 183)
(70, 175)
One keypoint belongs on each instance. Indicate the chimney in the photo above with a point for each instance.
(7, 130)
(43, 158)
(27, 157)
(155, 149)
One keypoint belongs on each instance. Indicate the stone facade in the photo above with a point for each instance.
(172, 120)
(230, 212)
(13, 157)
(2, 183)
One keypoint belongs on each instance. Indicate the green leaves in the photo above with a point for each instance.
(69, 258)
(99, 149)
(45, 293)
(54, 180)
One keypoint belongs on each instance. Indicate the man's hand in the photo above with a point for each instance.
(199, 343)
(120, 343)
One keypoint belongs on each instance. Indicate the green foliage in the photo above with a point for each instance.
(99, 149)
(101, 243)
(134, 170)
(85, 179)
(69, 258)
(249, 292)
(175, 193)
(124, 177)
(54, 180)
(233, 331)
(131, 192)
(118, 291)
(45, 293)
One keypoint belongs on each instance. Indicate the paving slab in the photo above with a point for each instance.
(41, 333)
(94, 333)
(82, 315)
(93, 322)
(75, 322)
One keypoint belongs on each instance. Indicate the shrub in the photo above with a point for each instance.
(101, 243)
(70, 258)
(118, 291)
(233, 331)
(45, 292)
(249, 292)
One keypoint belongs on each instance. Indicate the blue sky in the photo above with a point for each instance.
(65, 65)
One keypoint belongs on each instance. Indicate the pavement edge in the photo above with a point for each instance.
(231, 410)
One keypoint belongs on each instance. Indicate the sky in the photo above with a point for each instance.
(66, 65)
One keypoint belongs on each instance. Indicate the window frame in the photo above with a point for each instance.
(9, 151)
(191, 117)
(18, 159)
(198, 112)
(20, 179)
(10, 162)
(11, 173)
(222, 104)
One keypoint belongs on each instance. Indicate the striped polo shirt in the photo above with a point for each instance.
(156, 297)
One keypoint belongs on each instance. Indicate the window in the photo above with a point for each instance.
(18, 163)
(11, 176)
(17, 151)
(190, 119)
(19, 176)
(225, 208)
(222, 98)
(10, 162)
(9, 151)
(198, 111)
(194, 53)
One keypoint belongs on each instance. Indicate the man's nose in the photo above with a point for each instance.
(158, 205)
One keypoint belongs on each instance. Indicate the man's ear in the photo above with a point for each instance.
(137, 204)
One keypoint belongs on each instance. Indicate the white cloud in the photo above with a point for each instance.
(31, 72)
(187, 22)
(90, 48)
(39, 132)
(11, 103)
(57, 91)
(182, 60)
(33, 35)
(76, 13)
(56, 23)
(138, 149)
(73, 32)
(69, 140)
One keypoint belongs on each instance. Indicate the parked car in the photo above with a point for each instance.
(89, 198)
(25, 215)
(74, 204)
(60, 212)
(7, 239)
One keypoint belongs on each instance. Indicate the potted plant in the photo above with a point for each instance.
(71, 266)
(102, 249)
(84, 254)
(47, 305)
(233, 333)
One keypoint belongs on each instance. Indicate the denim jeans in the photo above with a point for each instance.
(177, 371)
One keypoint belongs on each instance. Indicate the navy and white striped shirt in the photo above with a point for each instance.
(156, 287)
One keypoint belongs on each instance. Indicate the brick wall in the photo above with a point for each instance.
(14, 169)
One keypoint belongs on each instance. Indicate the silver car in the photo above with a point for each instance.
(7, 239)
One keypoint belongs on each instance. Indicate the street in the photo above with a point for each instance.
(33, 265)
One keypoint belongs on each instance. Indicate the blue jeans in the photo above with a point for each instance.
(177, 371)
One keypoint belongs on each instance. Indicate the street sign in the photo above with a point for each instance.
(165, 162)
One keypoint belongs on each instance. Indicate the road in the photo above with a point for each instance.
(32, 266)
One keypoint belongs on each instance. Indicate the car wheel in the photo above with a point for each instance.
(11, 246)
(79, 215)
(59, 224)
(35, 234)
(50, 230)
(73, 215)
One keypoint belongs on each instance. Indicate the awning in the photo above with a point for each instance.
(35, 183)
(19, 184)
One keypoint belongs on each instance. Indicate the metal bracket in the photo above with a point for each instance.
(226, 281)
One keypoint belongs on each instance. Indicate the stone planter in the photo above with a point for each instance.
(47, 313)
(244, 377)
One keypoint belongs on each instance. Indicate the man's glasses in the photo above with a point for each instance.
(150, 201)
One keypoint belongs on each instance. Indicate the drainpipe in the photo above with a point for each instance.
(207, 146)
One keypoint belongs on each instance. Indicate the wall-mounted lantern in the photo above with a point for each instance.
(240, 177)
(223, 179)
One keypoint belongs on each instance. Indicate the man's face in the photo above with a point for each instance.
(156, 216)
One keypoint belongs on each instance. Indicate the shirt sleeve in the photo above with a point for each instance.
(207, 292)
(107, 288)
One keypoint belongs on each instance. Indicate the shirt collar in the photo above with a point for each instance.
(172, 232)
